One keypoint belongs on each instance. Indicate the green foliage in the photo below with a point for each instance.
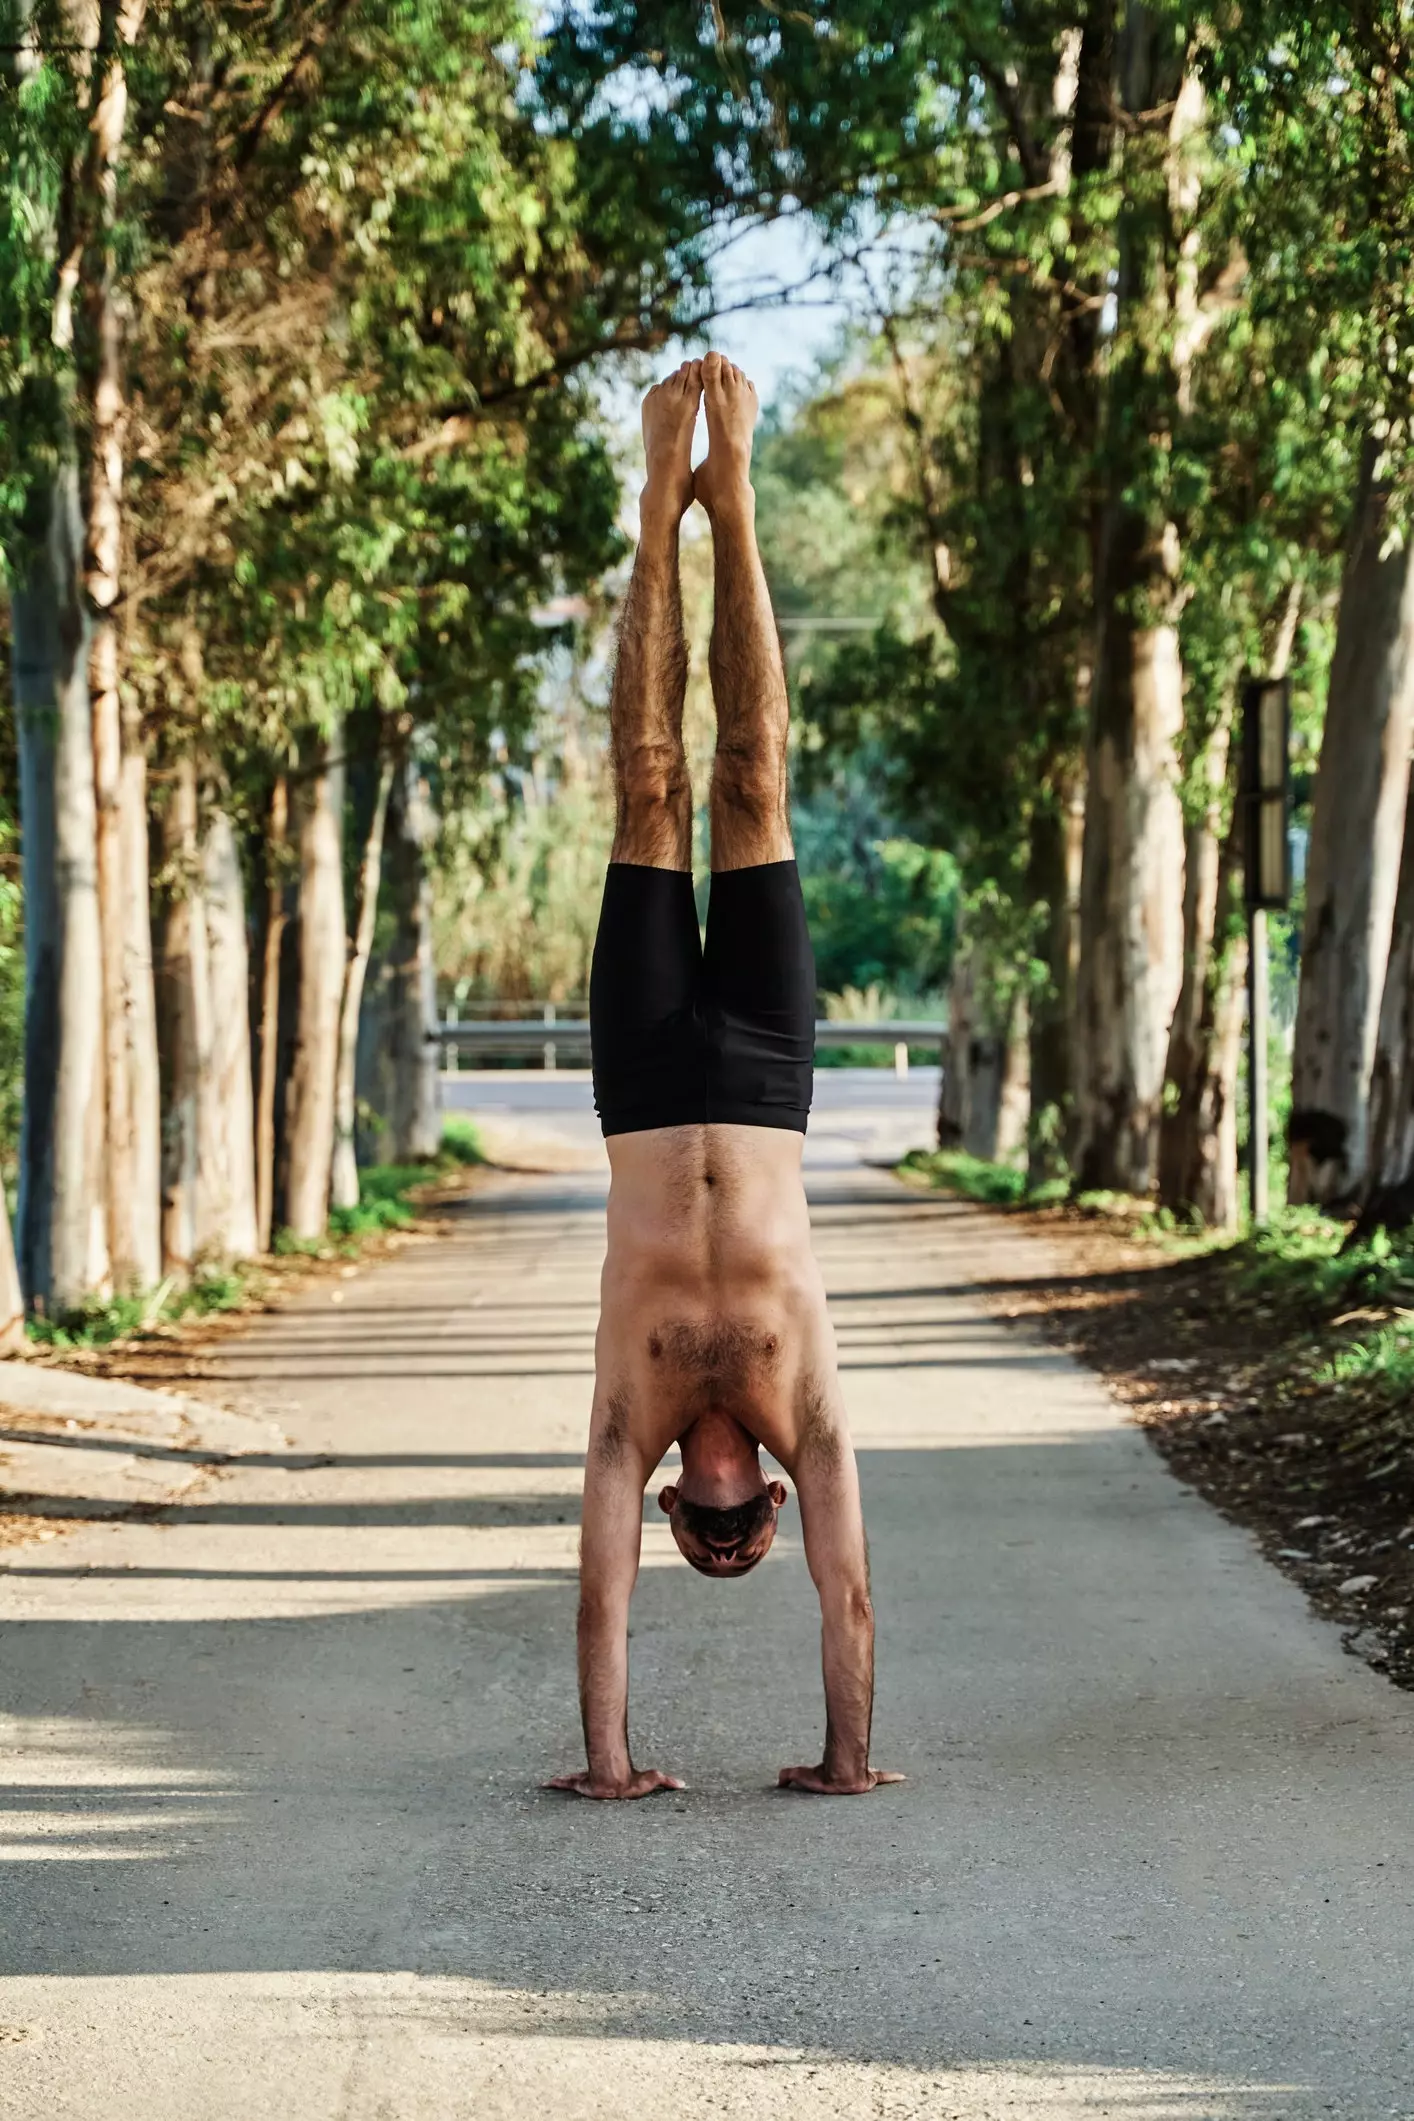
(100, 1323)
(461, 1144)
(882, 912)
(953, 1171)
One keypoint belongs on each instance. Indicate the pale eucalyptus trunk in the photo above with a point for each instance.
(985, 1094)
(1131, 900)
(63, 1238)
(1183, 1154)
(226, 1220)
(185, 998)
(1391, 1153)
(344, 1182)
(276, 841)
(12, 1302)
(1053, 882)
(1357, 828)
(132, 1094)
(999, 1088)
(410, 990)
(1198, 1172)
(309, 1125)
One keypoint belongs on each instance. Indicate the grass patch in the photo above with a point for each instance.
(386, 1202)
(99, 1324)
(953, 1171)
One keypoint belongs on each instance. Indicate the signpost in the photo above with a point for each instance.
(1265, 796)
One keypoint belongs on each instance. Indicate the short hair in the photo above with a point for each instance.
(726, 1532)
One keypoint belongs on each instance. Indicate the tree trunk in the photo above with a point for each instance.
(322, 947)
(63, 1243)
(186, 1026)
(954, 1094)
(276, 839)
(1391, 1154)
(1357, 826)
(1131, 915)
(345, 1172)
(1053, 881)
(999, 1085)
(985, 1094)
(411, 989)
(1198, 1135)
(1198, 1141)
(132, 1095)
(226, 1218)
(12, 1302)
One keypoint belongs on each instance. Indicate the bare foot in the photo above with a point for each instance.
(669, 417)
(723, 478)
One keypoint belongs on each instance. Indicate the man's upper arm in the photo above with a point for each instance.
(612, 1526)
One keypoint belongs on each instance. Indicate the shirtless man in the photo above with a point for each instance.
(713, 1331)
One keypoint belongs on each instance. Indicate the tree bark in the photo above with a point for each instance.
(1198, 1135)
(414, 1125)
(1053, 881)
(309, 1130)
(985, 1093)
(186, 1024)
(12, 1302)
(1357, 826)
(277, 836)
(345, 1173)
(1131, 915)
(1391, 1154)
(63, 1241)
(226, 1218)
(120, 772)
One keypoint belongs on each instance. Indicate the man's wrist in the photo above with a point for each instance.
(845, 1763)
(610, 1769)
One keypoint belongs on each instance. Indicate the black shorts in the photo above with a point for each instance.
(684, 1033)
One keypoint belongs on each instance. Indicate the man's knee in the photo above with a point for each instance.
(749, 781)
(651, 778)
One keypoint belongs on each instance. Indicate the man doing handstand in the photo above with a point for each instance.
(713, 1331)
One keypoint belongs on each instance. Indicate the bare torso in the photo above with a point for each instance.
(711, 1294)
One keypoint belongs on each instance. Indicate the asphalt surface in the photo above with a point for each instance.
(276, 1845)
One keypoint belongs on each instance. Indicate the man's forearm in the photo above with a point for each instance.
(847, 1640)
(603, 1689)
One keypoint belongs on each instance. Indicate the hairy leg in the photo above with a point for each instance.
(750, 816)
(652, 795)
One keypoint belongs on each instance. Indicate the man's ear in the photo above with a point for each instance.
(667, 1500)
(776, 1489)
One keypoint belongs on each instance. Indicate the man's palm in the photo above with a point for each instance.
(643, 1782)
(818, 1782)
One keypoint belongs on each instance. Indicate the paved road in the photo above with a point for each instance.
(278, 1850)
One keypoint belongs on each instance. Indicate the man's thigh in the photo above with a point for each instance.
(644, 995)
(759, 994)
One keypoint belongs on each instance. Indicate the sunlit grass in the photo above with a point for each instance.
(386, 1202)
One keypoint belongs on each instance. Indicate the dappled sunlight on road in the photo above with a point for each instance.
(426, 2048)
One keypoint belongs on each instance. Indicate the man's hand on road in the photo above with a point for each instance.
(818, 1782)
(643, 1782)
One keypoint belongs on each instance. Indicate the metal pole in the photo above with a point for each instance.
(1258, 1011)
(549, 1055)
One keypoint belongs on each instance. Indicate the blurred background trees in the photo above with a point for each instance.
(319, 327)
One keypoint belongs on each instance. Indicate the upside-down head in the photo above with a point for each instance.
(724, 1541)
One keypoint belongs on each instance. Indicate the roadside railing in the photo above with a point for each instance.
(557, 1041)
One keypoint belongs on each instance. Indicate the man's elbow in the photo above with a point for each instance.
(848, 1601)
(601, 1609)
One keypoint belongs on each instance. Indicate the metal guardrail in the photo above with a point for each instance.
(547, 1038)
